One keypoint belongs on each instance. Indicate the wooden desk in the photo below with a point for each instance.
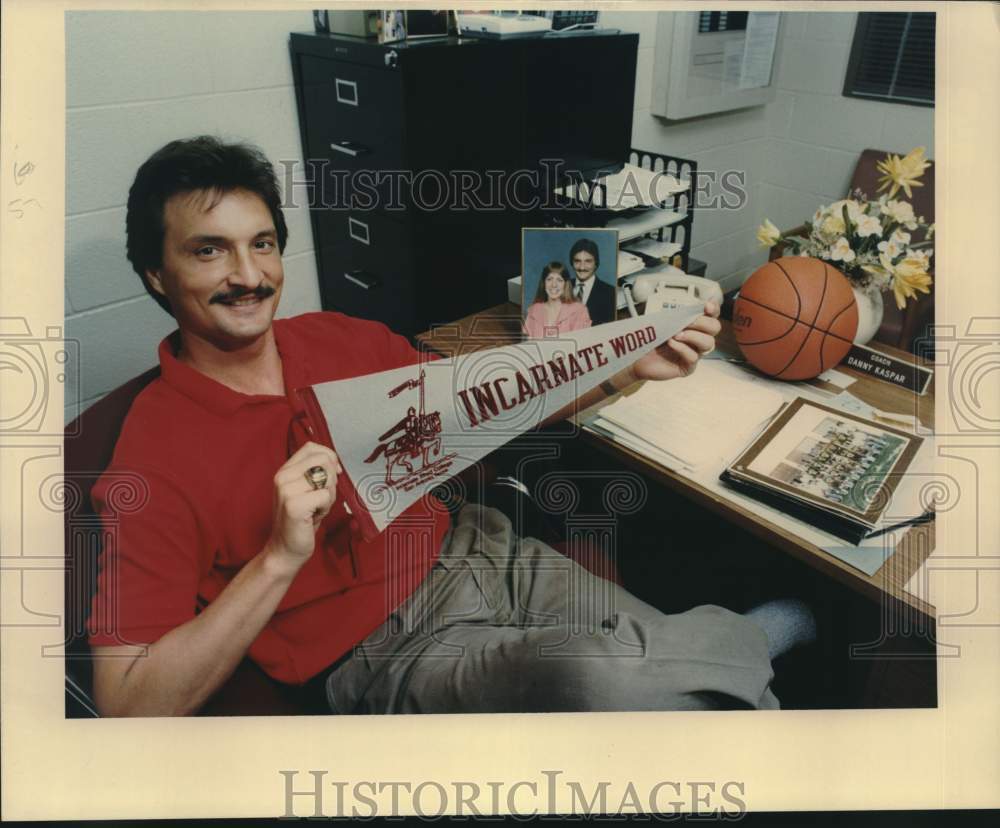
(501, 325)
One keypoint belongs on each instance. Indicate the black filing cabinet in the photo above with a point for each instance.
(426, 158)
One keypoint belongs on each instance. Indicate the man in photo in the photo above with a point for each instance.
(599, 297)
(243, 548)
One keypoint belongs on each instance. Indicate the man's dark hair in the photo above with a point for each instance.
(586, 246)
(185, 166)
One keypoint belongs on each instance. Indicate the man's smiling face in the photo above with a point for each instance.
(585, 265)
(221, 270)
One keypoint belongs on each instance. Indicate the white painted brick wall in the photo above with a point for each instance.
(798, 151)
(134, 81)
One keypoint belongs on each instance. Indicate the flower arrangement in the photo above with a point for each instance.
(870, 241)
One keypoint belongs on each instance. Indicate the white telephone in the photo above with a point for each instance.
(665, 285)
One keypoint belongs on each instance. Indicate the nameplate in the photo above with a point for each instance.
(888, 369)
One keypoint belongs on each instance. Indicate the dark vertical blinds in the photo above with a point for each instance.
(892, 58)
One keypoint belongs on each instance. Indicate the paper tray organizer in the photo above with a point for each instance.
(584, 203)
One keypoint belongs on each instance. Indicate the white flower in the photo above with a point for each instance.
(869, 226)
(920, 257)
(841, 251)
(891, 248)
(900, 212)
(855, 210)
(833, 224)
(895, 244)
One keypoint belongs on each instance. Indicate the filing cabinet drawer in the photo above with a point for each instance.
(369, 240)
(367, 268)
(367, 294)
(354, 114)
(361, 189)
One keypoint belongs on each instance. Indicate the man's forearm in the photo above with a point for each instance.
(178, 673)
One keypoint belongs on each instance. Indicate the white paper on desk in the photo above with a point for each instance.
(630, 441)
(726, 382)
(702, 419)
(838, 378)
(400, 433)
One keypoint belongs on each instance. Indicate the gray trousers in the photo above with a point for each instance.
(503, 624)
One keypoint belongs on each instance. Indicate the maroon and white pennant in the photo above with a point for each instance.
(400, 433)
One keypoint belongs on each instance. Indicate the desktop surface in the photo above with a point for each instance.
(501, 325)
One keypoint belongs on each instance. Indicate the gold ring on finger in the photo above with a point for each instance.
(317, 477)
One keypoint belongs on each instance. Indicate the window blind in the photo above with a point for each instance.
(892, 58)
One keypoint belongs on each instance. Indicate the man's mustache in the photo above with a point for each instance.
(260, 292)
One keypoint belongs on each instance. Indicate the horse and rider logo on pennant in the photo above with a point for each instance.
(414, 457)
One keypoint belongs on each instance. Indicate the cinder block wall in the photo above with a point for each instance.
(134, 81)
(798, 151)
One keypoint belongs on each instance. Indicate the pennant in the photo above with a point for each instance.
(400, 433)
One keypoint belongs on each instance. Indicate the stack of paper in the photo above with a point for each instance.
(629, 263)
(699, 422)
(654, 249)
(631, 227)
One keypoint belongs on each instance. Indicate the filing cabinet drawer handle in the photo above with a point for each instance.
(351, 148)
(358, 231)
(349, 95)
(361, 278)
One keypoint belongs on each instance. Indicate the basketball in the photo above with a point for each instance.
(795, 317)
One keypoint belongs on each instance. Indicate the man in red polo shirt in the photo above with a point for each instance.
(242, 547)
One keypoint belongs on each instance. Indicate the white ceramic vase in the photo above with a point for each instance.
(870, 311)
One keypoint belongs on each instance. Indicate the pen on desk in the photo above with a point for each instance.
(926, 517)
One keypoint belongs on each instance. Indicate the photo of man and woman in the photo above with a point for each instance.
(569, 279)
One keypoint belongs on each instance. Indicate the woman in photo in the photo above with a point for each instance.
(555, 311)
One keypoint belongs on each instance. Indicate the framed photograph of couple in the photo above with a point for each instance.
(569, 279)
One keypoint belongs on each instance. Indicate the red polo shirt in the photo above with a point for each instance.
(202, 458)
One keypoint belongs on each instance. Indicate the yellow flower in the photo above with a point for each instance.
(908, 276)
(767, 234)
(902, 172)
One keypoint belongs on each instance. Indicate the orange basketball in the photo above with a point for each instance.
(795, 317)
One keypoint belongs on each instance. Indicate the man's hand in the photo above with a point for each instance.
(679, 355)
(298, 507)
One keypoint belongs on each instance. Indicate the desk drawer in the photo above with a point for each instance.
(354, 114)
